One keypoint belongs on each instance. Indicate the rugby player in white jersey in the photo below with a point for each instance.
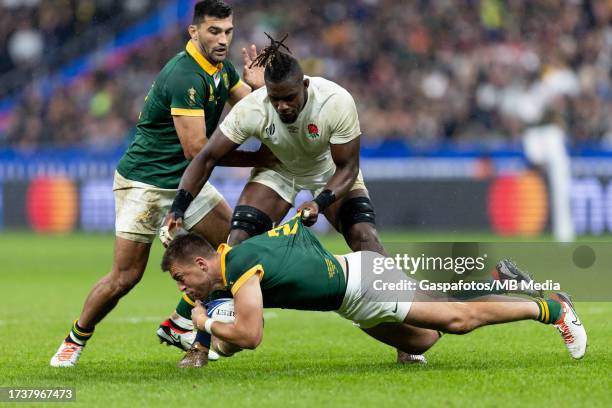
(311, 125)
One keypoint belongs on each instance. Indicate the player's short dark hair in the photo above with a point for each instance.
(186, 247)
(211, 8)
(278, 66)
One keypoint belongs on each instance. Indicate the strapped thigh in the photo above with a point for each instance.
(353, 211)
(251, 220)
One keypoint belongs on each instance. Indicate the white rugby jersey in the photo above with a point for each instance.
(329, 117)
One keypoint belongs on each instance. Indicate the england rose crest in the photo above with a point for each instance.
(313, 131)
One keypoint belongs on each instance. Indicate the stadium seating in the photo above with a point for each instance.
(432, 72)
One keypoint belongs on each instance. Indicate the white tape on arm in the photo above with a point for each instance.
(208, 325)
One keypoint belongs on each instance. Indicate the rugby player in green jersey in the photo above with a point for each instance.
(181, 110)
(287, 267)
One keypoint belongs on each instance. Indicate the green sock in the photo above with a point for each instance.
(550, 310)
(185, 306)
(78, 334)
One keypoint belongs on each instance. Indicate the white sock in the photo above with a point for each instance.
(75, 340)
(183, 323)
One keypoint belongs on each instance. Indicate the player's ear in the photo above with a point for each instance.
(306, 83)
(201, 262)
(193, 31)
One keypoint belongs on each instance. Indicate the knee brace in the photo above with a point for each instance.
(354, 211)
(251, 220)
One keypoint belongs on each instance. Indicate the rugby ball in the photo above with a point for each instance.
(221, 310)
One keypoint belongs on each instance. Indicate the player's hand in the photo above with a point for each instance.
(170, 229)
(254, 77)
(199, 315)
(265, 157)
(310, 212)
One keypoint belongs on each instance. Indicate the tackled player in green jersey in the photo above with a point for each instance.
(181, 110)
(316, 279)
(287, 267)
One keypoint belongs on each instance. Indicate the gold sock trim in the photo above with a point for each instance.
(80, 333)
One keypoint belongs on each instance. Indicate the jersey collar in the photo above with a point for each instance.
(223, 250)
(201, 60)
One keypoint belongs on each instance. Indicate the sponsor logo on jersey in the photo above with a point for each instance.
(331, 268)
(211, 92)
(225, 80)
(292, 128)
(313, 131)
(192, 94)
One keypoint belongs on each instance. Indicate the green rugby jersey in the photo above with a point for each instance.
(294, 269)
(186, 86)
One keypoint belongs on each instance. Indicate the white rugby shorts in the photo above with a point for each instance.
(288, 186)
(140, 208)
(363, 303)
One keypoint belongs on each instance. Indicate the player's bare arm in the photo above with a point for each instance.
(346, 159)
(239, 92)
(219, 150)
(199, 170)
(239, 158)
(195, 176)
(246, 331)
(191, 133)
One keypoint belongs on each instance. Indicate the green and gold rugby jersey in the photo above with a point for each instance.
(294, 269)
(188, 85)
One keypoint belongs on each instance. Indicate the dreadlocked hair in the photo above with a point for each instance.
(278, 65)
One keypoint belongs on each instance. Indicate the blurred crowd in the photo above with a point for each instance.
(427, 71)
(98, 110)
(33, 30)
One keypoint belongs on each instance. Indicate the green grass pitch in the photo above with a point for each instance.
(306, 359)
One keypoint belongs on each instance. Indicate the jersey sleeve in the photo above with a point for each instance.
(233, 77)
(345, 120)
(187, 93)
(238, 266)
(243, 120)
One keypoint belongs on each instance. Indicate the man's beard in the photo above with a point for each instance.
(209, 54)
